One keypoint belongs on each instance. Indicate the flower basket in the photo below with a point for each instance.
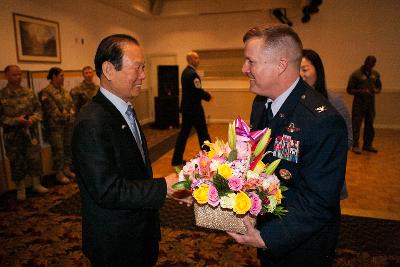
(229, 181)
(219, 219)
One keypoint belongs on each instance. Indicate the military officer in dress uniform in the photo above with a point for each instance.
(191, 108)
(84, 92)
(20, 114)
(59, 113)
(310, 137)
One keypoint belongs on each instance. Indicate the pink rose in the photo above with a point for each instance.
(213, 198)
(235, 183)
(256, 204)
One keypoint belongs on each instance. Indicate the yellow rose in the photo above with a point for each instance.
(278, 196)
(201, 194)
(242, 203)
(225, 171)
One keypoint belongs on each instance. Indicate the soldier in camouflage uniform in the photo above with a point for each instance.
(58, 111)
(20, 113)
(84, 92)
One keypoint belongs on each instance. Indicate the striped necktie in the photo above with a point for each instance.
(135, 128)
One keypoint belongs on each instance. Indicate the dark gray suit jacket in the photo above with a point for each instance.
(120, 198)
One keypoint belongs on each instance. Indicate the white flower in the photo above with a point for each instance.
(269, 180)
(181, 176)
(227, 202)
(190, 166)
(214, 165)
(272, 204)
(251, 175)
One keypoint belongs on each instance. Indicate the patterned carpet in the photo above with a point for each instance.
(46, 231)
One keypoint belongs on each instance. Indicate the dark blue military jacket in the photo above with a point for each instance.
(192, 92)
(307, 235)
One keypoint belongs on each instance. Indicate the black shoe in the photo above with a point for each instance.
(356, 150)
(178, 163)
(370, 149)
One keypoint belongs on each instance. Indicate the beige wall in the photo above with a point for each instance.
(87, 20)
(343, 32)
(78, 20)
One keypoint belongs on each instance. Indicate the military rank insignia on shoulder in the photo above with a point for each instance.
(313, 102)
(321, 109)
(286, 148)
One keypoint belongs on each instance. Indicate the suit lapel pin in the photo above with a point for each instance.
(291, 128)
(285, 174)
(321, 109)
(123, 126)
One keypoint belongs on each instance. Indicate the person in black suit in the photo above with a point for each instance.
(120, 198)
(310, 137)
(191, 108)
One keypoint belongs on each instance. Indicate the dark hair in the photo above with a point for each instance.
(110, 49)
(54, 71)
(315, 59)
(278, 36)
(8, 67)
(371, 59)
(86, 68)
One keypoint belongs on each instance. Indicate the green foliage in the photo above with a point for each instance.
(221, 184)
(183, 185)
(177, 169)
(232, 155)
(280, 211)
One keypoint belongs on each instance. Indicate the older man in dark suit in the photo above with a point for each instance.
(310, 137)
(120, 198)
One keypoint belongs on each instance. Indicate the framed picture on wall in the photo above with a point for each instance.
(37, 39)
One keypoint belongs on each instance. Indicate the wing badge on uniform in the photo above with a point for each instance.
(286, 148)
(291, 128)
(321, 109)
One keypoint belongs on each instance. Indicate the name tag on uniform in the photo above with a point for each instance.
(286, 148)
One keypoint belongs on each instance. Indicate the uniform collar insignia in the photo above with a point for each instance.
(321, 109)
